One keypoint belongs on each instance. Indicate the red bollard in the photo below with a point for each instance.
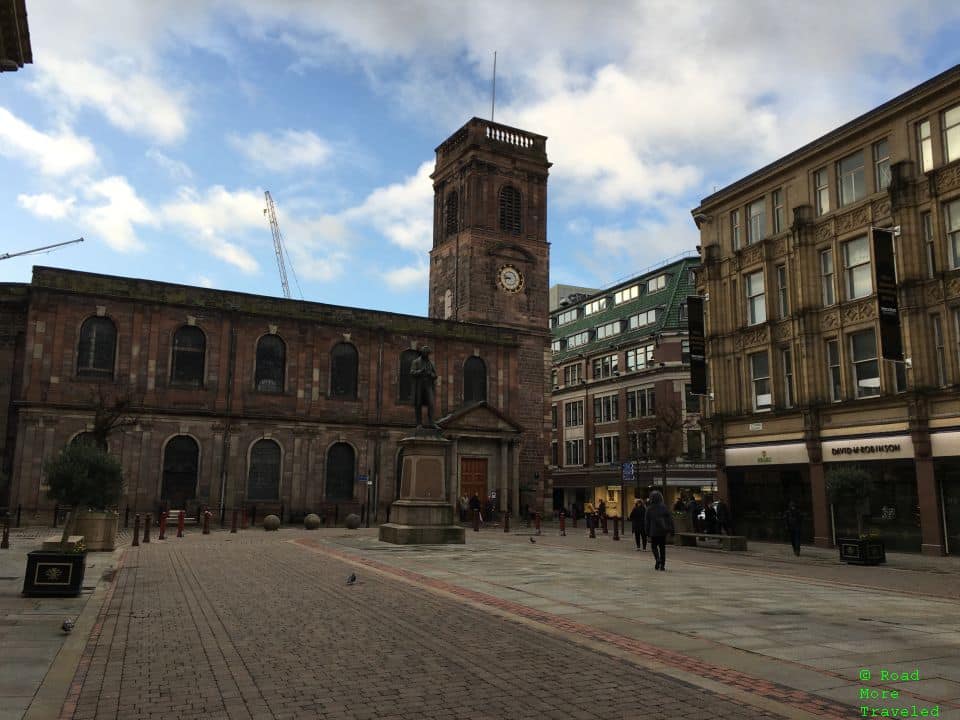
(563, 523)
(616, 528)
(244, 519)
(136, 530)
(146, 527)
(574, 518)
(206, 522)
(233, 525)
(592, 522)
(180, 525)
(536, 522)
(603, 524)
(506, 522)
(476, 521)
(163, 526)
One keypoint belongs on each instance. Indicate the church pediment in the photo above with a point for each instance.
(479, 417)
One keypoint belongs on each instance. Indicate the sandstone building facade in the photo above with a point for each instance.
(793, 336)
(237, 400)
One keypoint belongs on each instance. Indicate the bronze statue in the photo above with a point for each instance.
(424, 376)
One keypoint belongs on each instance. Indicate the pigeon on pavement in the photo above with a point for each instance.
(532, 540)
(352, 579)
(67, 625)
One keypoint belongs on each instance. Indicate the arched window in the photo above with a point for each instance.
(271, 362)
(263, 482)
(189, 347)
(181, 464)
(474, 380)
(510, 209)
(97, 348)
(343, 371)
(340, 472)
(451, 222)
(88, 437)
(406, 382)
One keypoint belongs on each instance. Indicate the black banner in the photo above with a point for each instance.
(891, 345)
(698, 345)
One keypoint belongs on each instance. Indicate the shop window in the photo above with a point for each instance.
(97, 348)
(263, 480)
(271, 363)
(189, 348)
(474, 380)
(344, 363)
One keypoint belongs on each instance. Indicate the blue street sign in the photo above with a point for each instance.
(627, 470)
(363, 479)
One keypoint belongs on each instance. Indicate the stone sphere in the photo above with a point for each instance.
(352, 521)
(311, 521)
(271, 522)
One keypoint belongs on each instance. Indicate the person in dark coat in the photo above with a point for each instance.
(475, 506)
(794, 520)
(659, 524)
(678, 505)
(637, 516)
(724, 518)
(693, 510)
(710, 513)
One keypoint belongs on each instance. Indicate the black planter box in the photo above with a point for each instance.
(54, 574)
(861, 552)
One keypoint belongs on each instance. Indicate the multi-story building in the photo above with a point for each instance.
(236, 399)
(796, 372)
(620, 375)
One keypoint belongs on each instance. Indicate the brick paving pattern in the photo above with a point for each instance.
(256, 628)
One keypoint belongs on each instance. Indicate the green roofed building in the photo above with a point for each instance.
(621, 412)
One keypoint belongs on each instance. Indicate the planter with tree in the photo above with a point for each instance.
(851, 485)
(86, 478)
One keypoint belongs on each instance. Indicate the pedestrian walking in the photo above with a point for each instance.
(724, 517)
(637, 516)
(590, 514)
(659, 524)
(475, 506)
(693, 510)
(710, 514)
(794, 518)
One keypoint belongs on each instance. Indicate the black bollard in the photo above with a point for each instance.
(56, 511)
(126, 518)
(18, 515)
(147, 517)
(253, 515)
(136, 530)
(5, 541)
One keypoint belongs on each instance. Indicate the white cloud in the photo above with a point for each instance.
(46, 205)
(178, 170)
(409, 277)
(55, 153)
(114, 220)
(283, 151)
(402, 211)
(128, 97)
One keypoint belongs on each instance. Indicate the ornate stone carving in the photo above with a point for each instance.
(934, 293)
(750, 338)
(863, 310)
(853, 219)
(825, 231)
(923, 191)
(781, 247)
(831, 320)
(751, 255)
(948, 178)
(783, 331)
(881, 208)
(953, 287)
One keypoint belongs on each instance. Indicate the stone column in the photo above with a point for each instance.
(515, 479)
(505, 472)
(723, 485)
(822, 534)
(931, 517)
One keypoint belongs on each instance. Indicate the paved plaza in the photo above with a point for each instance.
(264, 625)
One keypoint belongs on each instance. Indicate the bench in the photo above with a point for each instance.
(708, 540)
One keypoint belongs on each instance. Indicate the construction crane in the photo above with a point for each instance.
(280, 248)
(7, 256)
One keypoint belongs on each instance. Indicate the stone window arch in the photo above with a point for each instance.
(451, 208)
(271, 364)
(187, 360)
(263, 477)
(344, 363)
(97, 349)
(181, 468)
(474, 380)
(89, 438)
(341, 460)
(510, 209)
(405, 382)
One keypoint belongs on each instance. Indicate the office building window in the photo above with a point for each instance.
(881, 165)
(656, 284)
(690, 401)
(779, 212)
(786, 359)
(865, 366)
(595, 306)
(900, 376)
(640, 402)
(573, 452)
(567, 316)
(929, 250)
(606, 409)
(685, 351)
(850, 179)
(756, 298)
(605, 449)
(553, 416)
(604, 367)
(757, 229)
(760, 380)
(556, 345)
(573, 414)
(939, 351)
(608, 330)
(639, 358)
(826, 277)
(641, 444)
(643, 319)
(735, 229)
(951, 134)
(572, 374)
(581, 338)
(821, 184)
(951, 219)
(554, 453)
(925, 145)
(626, 295)
(857, 273)
(833, 370)
(783, 301)
(695, 445)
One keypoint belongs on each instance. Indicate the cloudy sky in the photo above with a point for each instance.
(152, 129)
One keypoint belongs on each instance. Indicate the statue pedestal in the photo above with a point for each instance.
(423, 515)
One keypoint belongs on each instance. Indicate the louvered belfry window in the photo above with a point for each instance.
(510, 209)
(450, 212)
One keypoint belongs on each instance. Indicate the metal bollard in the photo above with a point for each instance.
(136, 530)
(563, 523)
(536, 522)
(233, 524)
(5, 541)
(126, 518)
(603, 524)
(56, 511)
(506, 522)
(253, 515)
(244, 519)
(146, 527)
(574, 519)
(591, 522)
(18, 514)
(206, 522)
(180, 524)
(162, 535)
(616, 528)
(476, 521)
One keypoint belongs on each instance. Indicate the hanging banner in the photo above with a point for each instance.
(891, 345)
(698, 345)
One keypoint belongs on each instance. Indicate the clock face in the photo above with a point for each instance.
(510, 278)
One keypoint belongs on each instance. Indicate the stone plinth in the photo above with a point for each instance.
(423, 515)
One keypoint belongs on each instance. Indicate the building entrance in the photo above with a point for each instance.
(473, 478)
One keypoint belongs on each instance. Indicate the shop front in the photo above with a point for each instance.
(945, 447)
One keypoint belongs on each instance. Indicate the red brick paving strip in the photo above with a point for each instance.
(809, 702)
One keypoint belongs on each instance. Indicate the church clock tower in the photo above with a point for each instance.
(490, 257)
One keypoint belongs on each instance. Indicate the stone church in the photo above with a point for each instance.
(230, 400)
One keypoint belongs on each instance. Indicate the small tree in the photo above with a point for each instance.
(850, 483)
(83, 476)
(666, 429)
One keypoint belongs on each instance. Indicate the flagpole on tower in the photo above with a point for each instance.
(493, 92)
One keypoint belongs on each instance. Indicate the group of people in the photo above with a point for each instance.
(716, 517)
(474, 505)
